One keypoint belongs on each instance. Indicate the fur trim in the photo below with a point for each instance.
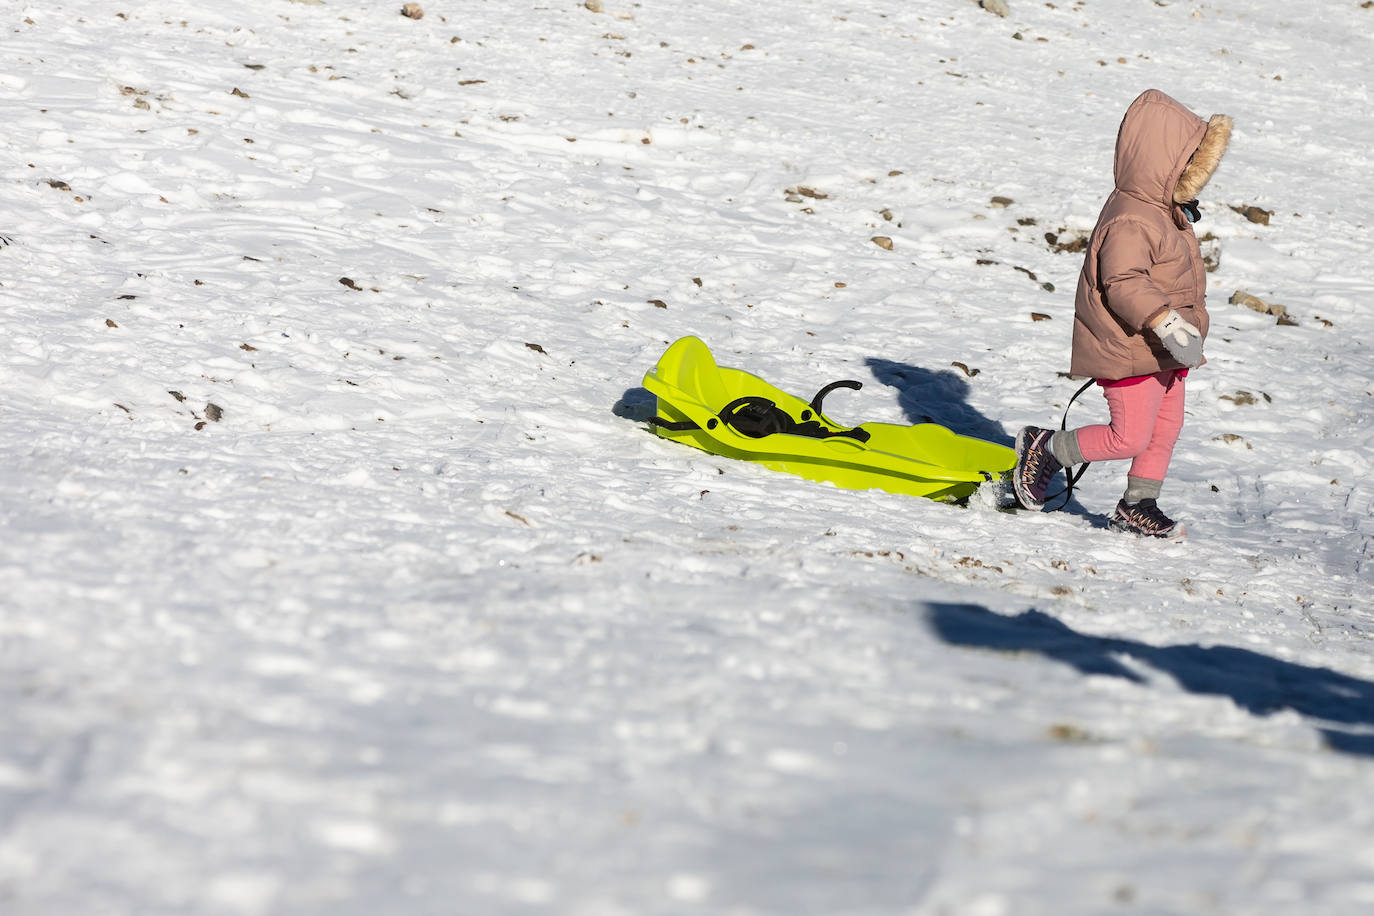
(1205, 161)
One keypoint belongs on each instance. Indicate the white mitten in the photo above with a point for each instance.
(1181, 339)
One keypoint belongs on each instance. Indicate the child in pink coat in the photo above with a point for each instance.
(1140, 314)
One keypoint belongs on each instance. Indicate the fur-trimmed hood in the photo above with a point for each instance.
(1199, 169)
(1165, 154)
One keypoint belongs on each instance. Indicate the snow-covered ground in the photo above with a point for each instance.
(419, 617)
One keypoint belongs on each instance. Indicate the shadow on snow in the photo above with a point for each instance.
(930, 396)
(1258, 683)
(637, 404)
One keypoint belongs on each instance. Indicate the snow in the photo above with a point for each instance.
(427, 621)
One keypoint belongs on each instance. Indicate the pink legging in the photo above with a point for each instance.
(1147, 417)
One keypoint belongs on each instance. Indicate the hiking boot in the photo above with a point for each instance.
(1035, 466)
(1144, 519)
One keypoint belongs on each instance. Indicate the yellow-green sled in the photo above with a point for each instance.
(708, 406)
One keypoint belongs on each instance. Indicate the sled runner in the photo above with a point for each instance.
(732, 413)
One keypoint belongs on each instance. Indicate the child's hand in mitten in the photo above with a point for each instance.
(1180, 338)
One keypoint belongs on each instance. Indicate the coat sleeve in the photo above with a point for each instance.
(1123, 263)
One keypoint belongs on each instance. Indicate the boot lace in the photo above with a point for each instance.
(1147, 516)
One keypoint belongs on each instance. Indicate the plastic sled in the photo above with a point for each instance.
(732, 413)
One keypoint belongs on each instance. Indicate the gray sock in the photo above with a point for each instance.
(1138, 488)
(1064, 447)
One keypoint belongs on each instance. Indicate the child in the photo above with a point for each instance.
(1140, 316)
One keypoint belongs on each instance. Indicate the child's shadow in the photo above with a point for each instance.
(1339, 705)
(927, 396)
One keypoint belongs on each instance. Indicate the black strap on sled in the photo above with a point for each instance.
(675, 426)
(756, 416)
(1071, 476)
(820, 395)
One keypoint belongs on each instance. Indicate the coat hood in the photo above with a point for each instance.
(1205, 161)
(1164, 152)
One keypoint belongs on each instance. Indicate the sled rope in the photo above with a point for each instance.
(1071, 477)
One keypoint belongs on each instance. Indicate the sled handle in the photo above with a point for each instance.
(842, 383)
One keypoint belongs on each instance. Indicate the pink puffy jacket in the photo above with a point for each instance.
(1143, 258)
